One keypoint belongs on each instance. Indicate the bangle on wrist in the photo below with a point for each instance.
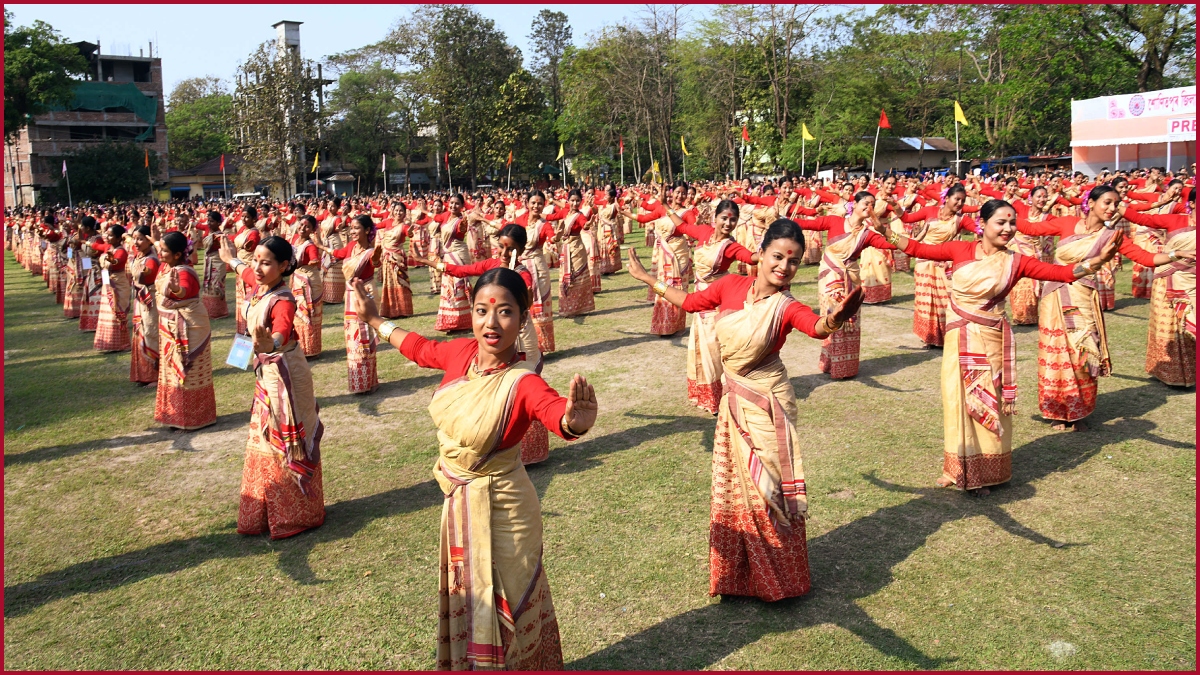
(566, 427)
(386, 329)
(277, 343)
(660, 288)
(833, 326)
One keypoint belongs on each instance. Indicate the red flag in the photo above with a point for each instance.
(621, 144)
(147, 158)
(745, 134)
(883, 120)
(222, 163)
(510, 158)
(447, 161)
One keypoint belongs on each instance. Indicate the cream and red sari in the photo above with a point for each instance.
(308, 291)
(979, 390)
(575, 294)
(73, 276)
(495, 610)
(1171, 344)
(757, 541)
(837, 277)
(541, 307)
(1152, 240)
(239, 286)
(611, 235)
(91, 287)
(455, 304)
(595, 254)
(143, 361)
(282, 489)
(185, 398)
(875, 272)
(1072, 341)
(112, 328)
(931, 293)
(673, 254)
(333, 280)
(704, 353)
(361, 342)
(395, 293)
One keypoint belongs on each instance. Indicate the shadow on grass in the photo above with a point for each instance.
(856, 560)
(593, 348)
(180, 440)
(869, 370)
(342, 520)
(368, 404)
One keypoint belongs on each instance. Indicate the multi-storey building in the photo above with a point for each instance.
(121, 100)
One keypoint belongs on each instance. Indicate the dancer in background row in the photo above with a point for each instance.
(308, 287)
(360, 259)
(143, 270)
(112, 329)
(185, 398)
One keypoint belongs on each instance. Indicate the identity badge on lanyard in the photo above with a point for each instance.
(70, 254)
(105, 279)
(87, 263)
(240, 352)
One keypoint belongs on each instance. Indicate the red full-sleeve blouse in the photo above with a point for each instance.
(478, 268)
(1065, 227)
(534, 400)
(189, 287)
(365, 273)
(120, 256)
(931, 212)
(836, 227)
(960, 252)
(729, 294)
(703, 234)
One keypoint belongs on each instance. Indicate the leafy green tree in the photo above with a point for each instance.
(198, 116)
(551, 36)
(368, 118)
(39, 71)
(106, 171)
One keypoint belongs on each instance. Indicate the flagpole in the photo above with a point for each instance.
(224, 184)
(803, 140)
(957, 165)
(622, 164)
(385, 176)
(70, 201)
(509, 176)
(876, 150)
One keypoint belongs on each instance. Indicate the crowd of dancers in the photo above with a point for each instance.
(1043, 246)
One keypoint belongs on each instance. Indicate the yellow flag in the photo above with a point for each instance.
(804, 133)
(654, 169)
(560, 152)
(683, 145)
(959, 116)
(315, 161)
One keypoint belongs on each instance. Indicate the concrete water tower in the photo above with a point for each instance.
(287, 35)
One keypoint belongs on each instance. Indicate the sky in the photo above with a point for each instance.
(200, 40)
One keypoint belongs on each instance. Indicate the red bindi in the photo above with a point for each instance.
(789, 251)
(492, 300)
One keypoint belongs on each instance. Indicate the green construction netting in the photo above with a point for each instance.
(107, 95)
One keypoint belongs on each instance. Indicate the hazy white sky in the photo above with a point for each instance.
(199, 40)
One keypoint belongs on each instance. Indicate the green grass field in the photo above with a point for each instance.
(120, 550)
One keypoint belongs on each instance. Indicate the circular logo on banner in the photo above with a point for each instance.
(1137, 105)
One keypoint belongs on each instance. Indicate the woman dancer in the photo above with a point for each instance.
(308, 287)
(90, 282)
(246, 240)
(610, 232)
(185, 398)
(838, 275)
(454, 306)
(715, 251)
(495, 609)
(112, 330)
(1025, 294)
(757, 541)
(143, 362)
(282, 489)
(537, 233)
(359, 261)
(1171, 342)
(332, 238)
(939, 225)
(575, 289)
(213, 293)
(395, 293)
(1072, 341)
(979, 390)
(672, 257)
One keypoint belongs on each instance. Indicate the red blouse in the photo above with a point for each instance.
(1167, 221)
(729, 294)
(150, 272)
(308, 255)
(477, 269)
(534, 400)
(964, 251)
(931, 212)
(120, 255)
(189, 287)
(366, 273)
(836, 227)
(1065, 227)
(283, 312)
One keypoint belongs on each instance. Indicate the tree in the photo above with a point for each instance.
(107, 171)
(1147, 37)
(276, 113)
(368, 118)
(551, 36)
(39, 67)
(198, 121)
